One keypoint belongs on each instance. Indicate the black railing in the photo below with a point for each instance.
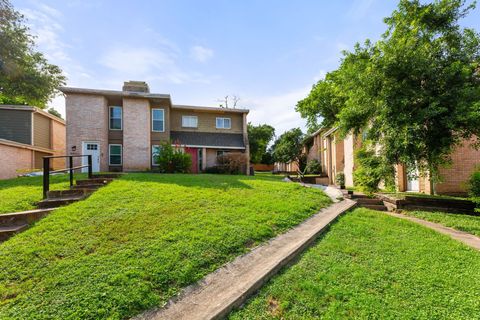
(70, 170)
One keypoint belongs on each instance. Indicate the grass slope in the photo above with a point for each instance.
(21, 194)
(134, 243)
(462, 222)
(373, 266)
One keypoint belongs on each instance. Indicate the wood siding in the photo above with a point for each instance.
(16, 125)
(206, 121)
(41, 131)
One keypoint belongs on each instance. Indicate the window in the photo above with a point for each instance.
(91, 146)
(115, 154)
(158, 120)
(155, 153)
(224, 123)
(115, 118)
(189, 121)
(221, 152)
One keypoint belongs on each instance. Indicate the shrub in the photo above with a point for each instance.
(340, 179)
(371, 170)
(173, 160)
(232, 163)
(474, 184)
(214, 169)
(314, 166)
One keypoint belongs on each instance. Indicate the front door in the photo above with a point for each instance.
(194, 154)
(91, 148)
(412, 180)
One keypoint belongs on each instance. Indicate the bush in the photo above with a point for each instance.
(474, 184)
(232, 163)
(214, 169)
(340, 179)
(314, 167)
(173, 160)
(371, 170)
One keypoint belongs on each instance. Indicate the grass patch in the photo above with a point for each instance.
(23, 193)
(373, 266)
(135, 243)
(462, 222)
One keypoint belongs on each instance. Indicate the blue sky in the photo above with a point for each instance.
(267, 52)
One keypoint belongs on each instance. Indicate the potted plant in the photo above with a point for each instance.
(340, 180)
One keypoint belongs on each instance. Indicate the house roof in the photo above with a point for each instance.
(203, 108)
(114, 93)
(31, 109)
(208, 139)
(146, 95)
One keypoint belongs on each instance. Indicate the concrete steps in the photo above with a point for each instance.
(12, 223)
(7, 232)
(364, 201)
(60, 201)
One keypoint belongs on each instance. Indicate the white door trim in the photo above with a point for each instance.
(95, 158)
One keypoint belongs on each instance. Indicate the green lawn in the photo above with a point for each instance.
(135, 243)
(462, 222)
(21, 194)
(373, 266)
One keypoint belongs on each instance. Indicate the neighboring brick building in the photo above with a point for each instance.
(454, 177)
(337, 155)
(123, 129)
(27, 134)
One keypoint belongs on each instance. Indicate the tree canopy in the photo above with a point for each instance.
(259, 137)
(288, 147)
(415, 92)
(26, 77)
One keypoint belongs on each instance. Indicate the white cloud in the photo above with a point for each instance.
(201, 54)
(278, 110)
(150, 64)
(360, 8)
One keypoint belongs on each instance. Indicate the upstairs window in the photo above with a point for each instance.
(224, 123)
(189, 121)
(115, 118)
(158, 120)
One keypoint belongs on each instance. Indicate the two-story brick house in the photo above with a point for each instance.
(123, 129)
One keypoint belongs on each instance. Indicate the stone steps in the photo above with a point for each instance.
(61, 201)
(12, 223)
(21, 218)
(7, 232)
(364, 201)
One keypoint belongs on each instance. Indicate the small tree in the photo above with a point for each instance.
(289, 147)
(258, 138)
(172, 159)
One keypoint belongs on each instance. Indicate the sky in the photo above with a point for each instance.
(268, 53)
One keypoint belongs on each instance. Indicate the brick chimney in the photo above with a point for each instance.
(136, 86)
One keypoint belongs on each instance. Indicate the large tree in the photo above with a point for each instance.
(26, 77)
(259, 137)
(416, 92)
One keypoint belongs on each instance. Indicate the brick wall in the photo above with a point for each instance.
(464, 159)
(136, 134)
(58, 143)
(87, 120)
(13, 159)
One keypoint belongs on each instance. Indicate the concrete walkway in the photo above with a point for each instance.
(230, 286)
(466, 238)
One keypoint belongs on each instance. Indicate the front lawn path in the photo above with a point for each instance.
(228, 287)
(466, 238)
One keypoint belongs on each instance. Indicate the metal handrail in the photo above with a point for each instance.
(70, 169)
